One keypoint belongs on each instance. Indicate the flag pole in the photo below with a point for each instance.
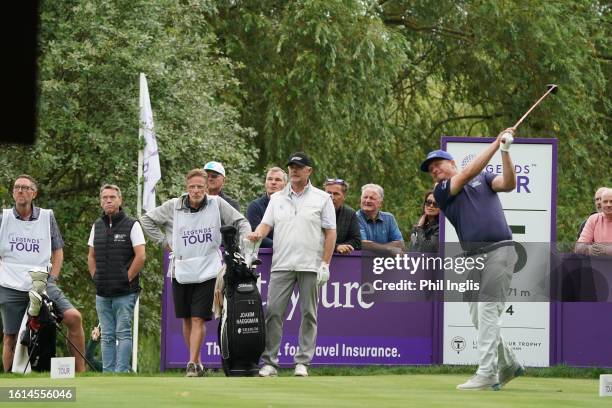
(138, 214)
(149, 173)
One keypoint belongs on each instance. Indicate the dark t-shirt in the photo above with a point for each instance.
(230, 201)
(475, 212)
(255, 213)
(347, 228)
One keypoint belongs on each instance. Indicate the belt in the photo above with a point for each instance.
(488, 248)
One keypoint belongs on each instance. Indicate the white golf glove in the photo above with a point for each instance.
(505, 146)
(323, 274)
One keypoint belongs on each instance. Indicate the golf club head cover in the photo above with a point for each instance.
(250, 250)
(35, 303)
(39, 281)
(39, 286)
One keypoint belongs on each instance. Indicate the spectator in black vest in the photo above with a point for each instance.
(116, 257)
(216, 180)
(276, 180)
(348, 237)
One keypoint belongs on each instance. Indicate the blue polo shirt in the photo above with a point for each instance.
(475, 212)
(382, 230)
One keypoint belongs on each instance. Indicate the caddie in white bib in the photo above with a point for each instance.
(196, 239)
(24, 246)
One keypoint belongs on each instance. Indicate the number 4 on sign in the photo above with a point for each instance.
(509, 310)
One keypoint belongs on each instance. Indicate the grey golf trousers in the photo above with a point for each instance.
(486, 314)
(280, 289)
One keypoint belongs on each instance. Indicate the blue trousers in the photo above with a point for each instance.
(115, 315)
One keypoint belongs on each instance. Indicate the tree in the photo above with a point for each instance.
(483, 63)
(368, 87)
(91, 54)
(316, 76)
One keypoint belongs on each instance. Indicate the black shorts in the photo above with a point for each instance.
(193, 299)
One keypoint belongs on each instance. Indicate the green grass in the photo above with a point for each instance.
(343, 386)
(407, 390)
(559, 371)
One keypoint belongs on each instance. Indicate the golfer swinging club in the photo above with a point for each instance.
(469, 200)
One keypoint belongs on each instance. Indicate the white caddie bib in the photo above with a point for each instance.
(196, 238)
(24, 246)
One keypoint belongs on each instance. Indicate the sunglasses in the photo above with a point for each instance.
(431, 203)
(22, 188)
(335, 181)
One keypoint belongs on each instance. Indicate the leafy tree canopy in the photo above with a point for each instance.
(368, 87)
(91, 54)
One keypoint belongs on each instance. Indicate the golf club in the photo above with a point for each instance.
(552, 88)
(507, 136)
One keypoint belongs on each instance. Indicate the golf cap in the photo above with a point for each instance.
(215, 166)
(435, 155)
(300, 159)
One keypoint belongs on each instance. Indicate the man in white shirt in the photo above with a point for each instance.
(304, 222)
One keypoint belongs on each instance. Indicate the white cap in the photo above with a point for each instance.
(215, 166)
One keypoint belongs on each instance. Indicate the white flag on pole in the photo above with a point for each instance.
(150, 169)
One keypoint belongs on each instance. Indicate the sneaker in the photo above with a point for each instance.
(509, 373)
(192, 370)
(201, 370)
(480, 382)
(268, 371)
(300, 370)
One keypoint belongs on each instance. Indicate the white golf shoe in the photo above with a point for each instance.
(268, 371)
(480, 382)
(300, 370)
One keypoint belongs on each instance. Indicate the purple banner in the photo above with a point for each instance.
(352, 328)
(364, 330)
(583, 330)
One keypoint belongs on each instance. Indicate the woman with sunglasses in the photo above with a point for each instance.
(424, 235)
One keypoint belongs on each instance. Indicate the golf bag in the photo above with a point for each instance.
(40, 336)
(241, 328)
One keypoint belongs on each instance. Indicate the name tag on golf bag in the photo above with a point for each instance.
(242, 334)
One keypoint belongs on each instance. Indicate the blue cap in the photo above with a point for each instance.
(435, 155)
